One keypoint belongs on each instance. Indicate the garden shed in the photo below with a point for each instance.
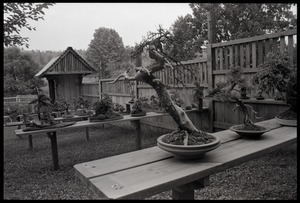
(64, 75)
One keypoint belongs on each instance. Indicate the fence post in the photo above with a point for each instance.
(138, 63)
(100, 88)
(211, 39)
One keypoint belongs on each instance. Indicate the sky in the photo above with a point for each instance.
(73, 24)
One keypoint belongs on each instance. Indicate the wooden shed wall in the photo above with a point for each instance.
(68, 87)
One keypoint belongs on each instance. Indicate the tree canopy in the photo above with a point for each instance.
(233, 21)
(19, 71)
(106, 52)
(16, 16)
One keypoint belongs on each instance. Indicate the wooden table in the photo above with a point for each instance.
(146, 172)
(51, 133)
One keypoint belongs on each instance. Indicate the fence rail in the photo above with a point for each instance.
(246, 53)
(19, 99)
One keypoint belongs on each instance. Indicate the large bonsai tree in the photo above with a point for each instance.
(187, 133)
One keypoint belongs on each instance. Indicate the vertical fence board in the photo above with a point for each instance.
(247, 55)
(226, 58)
(253, 54)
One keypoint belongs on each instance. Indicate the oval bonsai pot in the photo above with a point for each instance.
(286, 122)
(189, 152)
(249, 133)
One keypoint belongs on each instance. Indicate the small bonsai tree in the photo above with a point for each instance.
(231, 91)
(276, 73)
(104, 109)
(44, 109)
(137, 108)
(198, 96)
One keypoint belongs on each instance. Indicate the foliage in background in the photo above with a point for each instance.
(233, 21)
(106, 52)
(16, 17)
(19, 70)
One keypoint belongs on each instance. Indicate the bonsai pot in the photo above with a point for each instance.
(286, 122)
(142, 113)
(189, 152)
(249, 133)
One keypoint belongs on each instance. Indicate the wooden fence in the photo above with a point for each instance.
(246, 53)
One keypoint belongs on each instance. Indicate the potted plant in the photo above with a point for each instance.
(104, 110)
(137, 109)
(231, 91)
(187, 142)
(198, 96)
(277, 74)
(156, 105)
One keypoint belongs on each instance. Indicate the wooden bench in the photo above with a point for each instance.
(146, 172)
(51, 133)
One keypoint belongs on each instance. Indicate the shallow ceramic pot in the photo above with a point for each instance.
(249, 133)
(188, 152)
(286, 122)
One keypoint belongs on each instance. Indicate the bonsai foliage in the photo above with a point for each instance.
(104, 109)
(44, 109)
(137, 107)
(230, 91)
(187, 133)
(62, 105)
(277, 73)
(81, 103)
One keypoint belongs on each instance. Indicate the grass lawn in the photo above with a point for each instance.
(30, 174)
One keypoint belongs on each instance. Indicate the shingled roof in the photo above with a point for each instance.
(53, 67)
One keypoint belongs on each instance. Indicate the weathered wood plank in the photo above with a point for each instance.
(253, 55)
(156, 177)
(257, 38)
(248, 55)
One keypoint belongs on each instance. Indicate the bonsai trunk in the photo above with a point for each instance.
(246, 117)
(145, 74)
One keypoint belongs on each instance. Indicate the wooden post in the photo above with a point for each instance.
(137, 126)
(210, 54)
(187, 191)
(30, 142)
(52, 136)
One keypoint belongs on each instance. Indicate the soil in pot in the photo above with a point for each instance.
(177, 138)
(194, 148)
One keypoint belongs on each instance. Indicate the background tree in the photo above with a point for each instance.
(106, 51)
(19, 71)
(16, 16)
(233, 21)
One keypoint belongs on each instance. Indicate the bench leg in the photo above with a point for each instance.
(187, 192)
(87, 135)
(138, 140)
(52, 136)
(30, 142)
(183, 195)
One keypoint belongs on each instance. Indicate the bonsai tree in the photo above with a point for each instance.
(198, 96)
(137, 108)
(187, 133)
(231, 91)
(104, 110)
(63, 105)
(44, 109)
(276, 73)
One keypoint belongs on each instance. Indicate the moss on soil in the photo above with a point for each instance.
(195, 138)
